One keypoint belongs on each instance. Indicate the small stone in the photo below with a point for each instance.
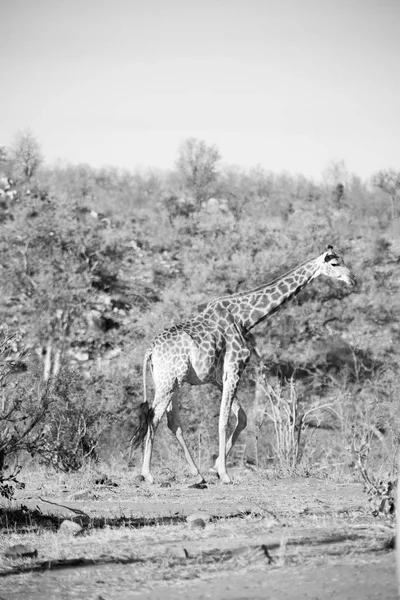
(197, 524)
(103, 479)
(177, 552)
(69, 527)
(20, 550)
(199, 515)
(82, 495)
(196, 520)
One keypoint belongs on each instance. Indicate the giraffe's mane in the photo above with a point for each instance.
(265, 285)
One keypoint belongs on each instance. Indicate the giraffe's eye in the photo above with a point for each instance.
(334, 264)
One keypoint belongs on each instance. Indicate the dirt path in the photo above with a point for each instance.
(283, 539)
(366, 580)
(358, 581)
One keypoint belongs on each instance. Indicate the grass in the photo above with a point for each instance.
(298, 520)
(156, 541)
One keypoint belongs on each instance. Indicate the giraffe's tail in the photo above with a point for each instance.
(145, 412)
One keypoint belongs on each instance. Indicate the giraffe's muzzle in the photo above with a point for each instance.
(351, 279)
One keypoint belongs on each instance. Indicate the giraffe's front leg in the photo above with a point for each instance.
(234, 364)
(231, 382)
(241, 422)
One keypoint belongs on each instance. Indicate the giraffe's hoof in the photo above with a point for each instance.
(147, 478)
(199, 483)
(199, 486)
(224, 477)
(213, 471)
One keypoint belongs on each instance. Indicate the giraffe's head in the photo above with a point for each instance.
(331, 265)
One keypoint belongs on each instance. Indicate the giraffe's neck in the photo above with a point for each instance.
(251, 307)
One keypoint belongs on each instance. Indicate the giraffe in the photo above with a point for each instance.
(211, 348)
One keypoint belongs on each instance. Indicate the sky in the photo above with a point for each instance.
(289, 85)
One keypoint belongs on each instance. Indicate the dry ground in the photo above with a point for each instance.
(266, 538)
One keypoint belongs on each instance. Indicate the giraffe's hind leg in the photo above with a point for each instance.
(160, 404)
(241, 422)
(175, 425)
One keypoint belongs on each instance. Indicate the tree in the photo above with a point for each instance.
(26, 154)
(198, 167)
(3, 155)
(337, 177)
(389, 182)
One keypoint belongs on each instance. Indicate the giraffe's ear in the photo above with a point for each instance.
(330, 254)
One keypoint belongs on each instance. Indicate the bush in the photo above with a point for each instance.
(59, 420)
(77, 417)
(23, 407)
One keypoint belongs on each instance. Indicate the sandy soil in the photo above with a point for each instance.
(293, 538)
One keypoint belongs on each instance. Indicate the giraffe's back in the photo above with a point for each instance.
(189, 352)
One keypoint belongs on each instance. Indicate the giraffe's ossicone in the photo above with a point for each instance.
(211, 348)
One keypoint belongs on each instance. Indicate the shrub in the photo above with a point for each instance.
(77, 417)
(23, 407)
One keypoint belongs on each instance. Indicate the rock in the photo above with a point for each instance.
(79, 355)
(197, 524)
(103, 479)
(110, 354)
(20, 550)
(177, 552)
(69, 527)
(198, 520)
(200, 514)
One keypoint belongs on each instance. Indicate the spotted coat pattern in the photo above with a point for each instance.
(211, 348)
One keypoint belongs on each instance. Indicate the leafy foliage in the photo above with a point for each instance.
(197, 166)
(74, 423)
(389, 182)
(25, 155)
(9, 482)
(21, 416)
(95, 262)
